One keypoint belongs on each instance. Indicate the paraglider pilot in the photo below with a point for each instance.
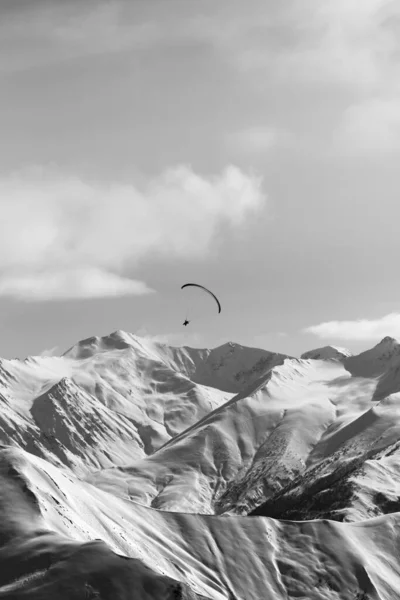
(186, 322)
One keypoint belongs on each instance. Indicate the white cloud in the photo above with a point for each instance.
(172, 339)
(363, 329)
(64, 237)
(89, 282)
(370, 127)
(55, 351)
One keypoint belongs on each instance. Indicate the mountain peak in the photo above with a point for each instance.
(375, 361)
(388, 341)
(327, 353)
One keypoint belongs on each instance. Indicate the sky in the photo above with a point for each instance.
(250, 147)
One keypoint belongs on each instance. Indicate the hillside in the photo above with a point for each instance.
(230, 473)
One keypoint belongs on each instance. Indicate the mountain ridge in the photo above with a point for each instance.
(175, 459)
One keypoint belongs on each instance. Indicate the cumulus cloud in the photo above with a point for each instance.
(62, 237)
(363, 329)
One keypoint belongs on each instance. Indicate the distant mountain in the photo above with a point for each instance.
(377, 360)
(129, 464)
(226, 368)
(327, 353)
(221, 462)
(116, 398)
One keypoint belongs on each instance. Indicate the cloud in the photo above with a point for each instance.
(346, 45)
(61, 236)
(363, 329)
(61, 31)
(255, 140)
(370, 127)
(89, 282)
(50, 352)
(144, 333)
(350, 41)
(171, 339)
(346, 41)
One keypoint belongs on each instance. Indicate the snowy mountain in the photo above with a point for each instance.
(376, 361)
(227, 368)
(103, 403)
(327, 353)
(225, 473)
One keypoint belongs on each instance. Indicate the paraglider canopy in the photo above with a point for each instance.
(206, 290)
(191, 306)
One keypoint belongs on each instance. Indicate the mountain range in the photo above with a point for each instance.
(130, 469)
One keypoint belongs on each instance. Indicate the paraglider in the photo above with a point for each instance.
(202, 289)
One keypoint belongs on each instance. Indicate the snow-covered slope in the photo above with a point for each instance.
(52, 550)
(327, 353)
(104, 403)
(375, 361)
(110, 400)
(228, 368)
(50, 547)
(128, 464)
(253, 446)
